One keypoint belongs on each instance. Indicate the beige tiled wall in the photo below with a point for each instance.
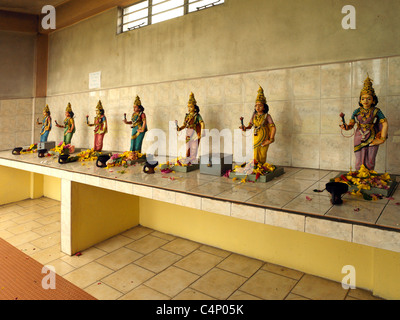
(15, 123)
(304, 102)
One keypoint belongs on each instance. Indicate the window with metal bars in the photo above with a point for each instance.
(153, 11)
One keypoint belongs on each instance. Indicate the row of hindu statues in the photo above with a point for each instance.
(371, 131)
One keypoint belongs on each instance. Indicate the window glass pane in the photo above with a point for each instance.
(136, 15)
(195, 5)
(135, 24)
(167, 15)
(163, 6)
(136, 7)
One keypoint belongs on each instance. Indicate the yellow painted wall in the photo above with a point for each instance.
(36, 185)
(376, 270)
(15, 185)
(52, 188)
(98, 214)
(19, 185)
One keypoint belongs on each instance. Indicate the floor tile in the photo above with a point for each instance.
(283, 271)
(181, 246)
(48, 240)
(144, 293)
(163, 235)
(114, 243)
(317, 288)
(49, 211)
(240, 295)
(146, 244)
(24, 227)
(171, 281)
(216, 251)
(190, 294)
(137, 233)
(88, 274)
(22, 238)
(127, 278)
(86, 256)
(218, 283)
(61, 267)
(361, 294)
(28, 248)
(6, 224)
(9, 216)
(48, 228)
(101, 291)
(46, 255)
(54, 217)
(30, 211)
(292, 296)
(198, 262)
(240, 265)
(269, 286)
(158, 260)
(6, 234)
(119, 258)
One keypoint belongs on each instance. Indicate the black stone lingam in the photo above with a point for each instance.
(337, 189)
(102, 159)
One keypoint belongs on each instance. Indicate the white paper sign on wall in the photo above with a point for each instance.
(95, 80)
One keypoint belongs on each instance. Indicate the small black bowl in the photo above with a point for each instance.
(337, 189)
(149, 166)
(17, 151)
(42, 153)
(102, 159)
(63, 158)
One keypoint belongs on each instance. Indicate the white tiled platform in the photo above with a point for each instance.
(287, 201)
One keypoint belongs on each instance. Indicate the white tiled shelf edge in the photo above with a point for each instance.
(372, 236)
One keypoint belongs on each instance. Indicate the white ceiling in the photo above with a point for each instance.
(28, 6)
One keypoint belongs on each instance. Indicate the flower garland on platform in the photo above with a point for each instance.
(169, 165)
(62, 148)
(365, 179)
(88, 155)
(123, 159)
(32, 149)
(252, 167)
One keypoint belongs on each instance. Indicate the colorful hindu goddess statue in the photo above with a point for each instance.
(372, 127)
(138, 124)
(194, 125)
(46, 124)
(100, 127)
(69, 125)
(264, 128)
